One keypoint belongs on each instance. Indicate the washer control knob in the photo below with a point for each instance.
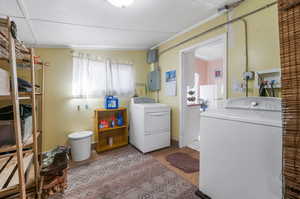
(254, 104)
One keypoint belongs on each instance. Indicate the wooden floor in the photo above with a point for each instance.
(160, 155)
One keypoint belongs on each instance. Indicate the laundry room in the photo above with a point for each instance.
(138, 99)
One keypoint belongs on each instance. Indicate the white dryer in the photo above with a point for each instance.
(149, 125)
(241, 146)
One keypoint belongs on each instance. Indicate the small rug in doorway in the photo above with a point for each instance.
(183, 162)
(125, 173)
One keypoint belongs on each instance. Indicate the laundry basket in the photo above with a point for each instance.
(80, 145)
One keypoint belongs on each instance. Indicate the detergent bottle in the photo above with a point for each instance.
(111, 102)
(120, 120)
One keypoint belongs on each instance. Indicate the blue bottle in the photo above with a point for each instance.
(120, 121)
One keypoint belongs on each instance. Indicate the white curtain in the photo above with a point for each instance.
(94, 77)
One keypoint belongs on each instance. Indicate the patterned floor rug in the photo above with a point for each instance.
(126, 174)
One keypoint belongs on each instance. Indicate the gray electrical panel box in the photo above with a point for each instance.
(154, 80)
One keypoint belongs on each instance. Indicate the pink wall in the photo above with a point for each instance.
(212, 66)
(201, 69)
(206, 70)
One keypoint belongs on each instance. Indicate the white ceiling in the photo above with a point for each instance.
(97, 24)
(211, 52)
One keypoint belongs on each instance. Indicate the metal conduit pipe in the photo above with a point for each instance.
(246, 55)
(217, 27)
(227, 49)
(231, 6)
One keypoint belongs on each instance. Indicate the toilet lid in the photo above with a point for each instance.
(80, 135)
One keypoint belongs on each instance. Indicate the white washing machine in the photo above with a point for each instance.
(241, 147)
(149, 125)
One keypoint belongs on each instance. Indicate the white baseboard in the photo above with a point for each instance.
(195, 145)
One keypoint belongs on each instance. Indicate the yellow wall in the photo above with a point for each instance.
(61, 115)
(263, 50)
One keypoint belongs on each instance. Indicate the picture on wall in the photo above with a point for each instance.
(171, 76)
(170, 83)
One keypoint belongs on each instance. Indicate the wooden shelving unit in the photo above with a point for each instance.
(26, 144)
(19, 163)
(117, 134)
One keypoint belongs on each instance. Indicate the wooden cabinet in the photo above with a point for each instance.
(113, 135)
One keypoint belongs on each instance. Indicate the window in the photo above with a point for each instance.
(94, 77)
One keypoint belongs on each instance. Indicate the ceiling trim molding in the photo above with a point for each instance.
(189, 29)
(24, 11)
(88, 47)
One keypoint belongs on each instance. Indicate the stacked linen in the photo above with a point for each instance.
(4, 83)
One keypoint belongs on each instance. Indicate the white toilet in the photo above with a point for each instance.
(80, 145)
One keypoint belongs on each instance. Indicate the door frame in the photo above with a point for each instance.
(182, 106)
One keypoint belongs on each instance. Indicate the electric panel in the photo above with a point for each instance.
(154, 81)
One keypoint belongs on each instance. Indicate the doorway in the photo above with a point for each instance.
(203, 85)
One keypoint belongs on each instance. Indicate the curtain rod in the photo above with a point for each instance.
(94, 57)
(217, 27)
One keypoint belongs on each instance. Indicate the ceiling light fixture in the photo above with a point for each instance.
(121, 3)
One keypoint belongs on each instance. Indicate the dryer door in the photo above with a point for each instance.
(156, 122)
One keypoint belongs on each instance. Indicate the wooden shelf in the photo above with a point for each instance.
(22, 96)
(21, 63)
(19, 45)
(110, 129)
(27, 144)
(108, 147)
(9, 178)
(14, 190)
(110, 110)
(8, 97)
